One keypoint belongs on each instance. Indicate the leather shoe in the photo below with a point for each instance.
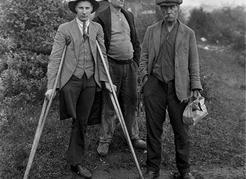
(139, 144)
(81, 171)
(175, 175)
(186, 175)
(151, 174)
(103, 148)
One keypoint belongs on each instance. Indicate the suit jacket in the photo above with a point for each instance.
(70, 32)
(186, 59)
(104, 18)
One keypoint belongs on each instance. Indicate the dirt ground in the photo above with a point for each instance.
(202, 172)
(213, 173)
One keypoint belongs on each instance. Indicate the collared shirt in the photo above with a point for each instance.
(164, 66)
(120, 45)
(80, 24)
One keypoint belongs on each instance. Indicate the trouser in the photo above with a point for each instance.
(158, 97)
(124, 76)
(78, 95)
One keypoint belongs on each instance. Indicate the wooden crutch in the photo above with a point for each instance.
(117, 109)
(43, 116)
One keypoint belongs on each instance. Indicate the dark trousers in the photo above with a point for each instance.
(78, 95)
(124, 76)
(158, 97)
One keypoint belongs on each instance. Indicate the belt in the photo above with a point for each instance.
(111, 60)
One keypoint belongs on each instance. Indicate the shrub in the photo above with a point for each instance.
(27, 31)
(202, 22)
(32, 24)
(24, 79)
(225, 26)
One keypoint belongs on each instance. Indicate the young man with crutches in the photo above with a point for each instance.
(82, 73)
(79, 63)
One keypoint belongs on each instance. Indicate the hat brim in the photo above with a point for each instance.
(72, 5)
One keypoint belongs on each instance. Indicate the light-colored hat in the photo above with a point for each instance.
(72, 5)
(168, 2)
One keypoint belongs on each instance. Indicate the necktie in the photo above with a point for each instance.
(84, 30)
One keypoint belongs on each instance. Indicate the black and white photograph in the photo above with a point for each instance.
(122, 89)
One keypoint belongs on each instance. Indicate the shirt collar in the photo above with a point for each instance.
(80, 23)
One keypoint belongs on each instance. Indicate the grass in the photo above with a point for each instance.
(218, 140)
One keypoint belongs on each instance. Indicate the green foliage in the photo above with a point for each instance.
(24, 80)
(32, 24)
(224, 26)
(27, 28)
(202, 22)
(27, 31)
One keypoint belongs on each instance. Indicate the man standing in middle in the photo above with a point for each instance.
(123, 51)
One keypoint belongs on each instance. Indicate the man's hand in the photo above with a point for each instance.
(107, 85)
(49, 93)
(196, 93)
(145, 79)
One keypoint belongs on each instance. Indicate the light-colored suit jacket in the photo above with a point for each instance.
(70, 32)
(186, 60)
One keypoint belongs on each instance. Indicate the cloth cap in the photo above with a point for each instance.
(72, 5)
(168, 2)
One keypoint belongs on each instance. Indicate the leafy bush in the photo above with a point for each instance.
(202, 22)
(225, 26)
(32, 24)
(27, 31)
(241, 60)
(24, 79)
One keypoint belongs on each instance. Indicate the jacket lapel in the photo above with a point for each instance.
(179, 37)
(92, 39)
(128, 18)
(106, 18)
(157, 38)
(77, 37)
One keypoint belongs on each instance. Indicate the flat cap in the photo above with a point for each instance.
(168, 2)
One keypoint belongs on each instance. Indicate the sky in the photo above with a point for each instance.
(214, 2)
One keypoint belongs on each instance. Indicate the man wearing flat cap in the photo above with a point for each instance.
(169, 65)
(82, 74)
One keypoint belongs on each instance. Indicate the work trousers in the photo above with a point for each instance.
(159, 96)
(78, 95)
(124, 76)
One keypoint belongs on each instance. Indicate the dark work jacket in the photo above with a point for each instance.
(104, 18)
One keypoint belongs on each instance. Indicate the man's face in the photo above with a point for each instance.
(84, 9)
(117, 3)
(170, 13)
